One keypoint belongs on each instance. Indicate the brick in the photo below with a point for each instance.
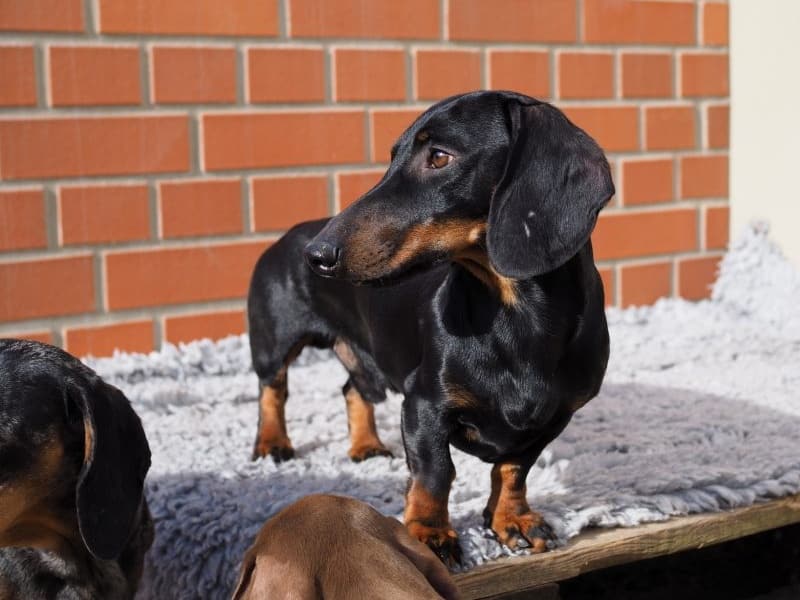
(646, 75)
(370, 75)
(214, 326)
(527, 72)
(442, 73)
(281, 202)
(704, 177)
(22, 220)
(104, 214)
(639, 22)
(94, 75)
(46, 288)
(718, 124)
(386, 126)
(379, 19)
(607, 276)
(512, 20)
(616, 128)
(211, 207)
(351, 186)
(41, 15)
(152, 277)
(644, 284)
(190, 17)
(717, 227)
(282, 139)
(193, 75)
(585, 75)
(715, 24)
(93, 146)
(18, 77)
(669, 127)
(630, 234)
(45, 337)
(646, 181)
(704, 75)
(286, 74)
(696, 276)
(103, 340)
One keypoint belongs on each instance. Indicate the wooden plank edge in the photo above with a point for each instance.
(601, 548)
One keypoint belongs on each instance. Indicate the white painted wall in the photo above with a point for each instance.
(765, 118)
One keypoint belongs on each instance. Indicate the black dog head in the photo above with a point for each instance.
(73, 452)
(497, 170)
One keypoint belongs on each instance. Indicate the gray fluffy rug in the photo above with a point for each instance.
(699, 412)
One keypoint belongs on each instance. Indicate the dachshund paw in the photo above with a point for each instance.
(524, 530)
(279, 450)
(359, 453)
(442, 540)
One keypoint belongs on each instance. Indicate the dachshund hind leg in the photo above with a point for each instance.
(272, 438)
(364, 440)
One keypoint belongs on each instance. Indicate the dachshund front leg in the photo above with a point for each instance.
(508, 514)
(432, 473)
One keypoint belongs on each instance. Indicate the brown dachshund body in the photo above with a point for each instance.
(335, 548)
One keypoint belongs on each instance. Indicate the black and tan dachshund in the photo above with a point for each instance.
(73, 457)
(465, 280)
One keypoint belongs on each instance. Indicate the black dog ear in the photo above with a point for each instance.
(115, 462)
(555, 182)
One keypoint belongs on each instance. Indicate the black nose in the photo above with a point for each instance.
(322, 257)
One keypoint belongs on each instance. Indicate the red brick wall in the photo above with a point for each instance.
(149, 150)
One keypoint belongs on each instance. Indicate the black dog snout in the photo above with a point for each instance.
(322, 257)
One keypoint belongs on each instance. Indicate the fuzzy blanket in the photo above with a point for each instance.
(699, 412)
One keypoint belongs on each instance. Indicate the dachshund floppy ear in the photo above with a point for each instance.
(555, 182)
(115, 462)
(245, 574)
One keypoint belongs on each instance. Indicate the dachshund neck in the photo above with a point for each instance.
(42, 530)
(475, 260)
(61, 547)
(516, 294)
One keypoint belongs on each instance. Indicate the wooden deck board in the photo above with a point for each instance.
(601, 548)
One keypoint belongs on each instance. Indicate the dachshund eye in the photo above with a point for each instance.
(439, 159)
